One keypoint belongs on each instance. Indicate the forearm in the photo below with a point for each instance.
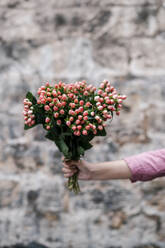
(110, 170)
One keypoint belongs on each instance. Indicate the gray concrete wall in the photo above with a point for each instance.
(122, 41)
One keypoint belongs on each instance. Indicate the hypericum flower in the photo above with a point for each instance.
(56, 115)
(68, 123)
(59, 122)
(79, 109)
(96, 98)
(100, 107)
(85, 113)
(46, 107)
(71, 118)
(73, 127)
(88, 104)
(47, 120)
(79, 127)
(84, 132)
(62, 112)
(97, 117)
(81, 102)
(87, 127)
(100, 127)
(77, 122)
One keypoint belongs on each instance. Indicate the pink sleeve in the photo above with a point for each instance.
(147, 166)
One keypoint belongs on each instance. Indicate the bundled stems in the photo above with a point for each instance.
(73, 184)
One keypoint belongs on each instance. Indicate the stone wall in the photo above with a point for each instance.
(121, 40)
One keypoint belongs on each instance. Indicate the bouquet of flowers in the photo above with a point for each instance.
(72, 114)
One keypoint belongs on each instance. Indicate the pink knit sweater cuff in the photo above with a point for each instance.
(146, 166)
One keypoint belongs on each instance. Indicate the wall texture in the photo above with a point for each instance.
(121, 40)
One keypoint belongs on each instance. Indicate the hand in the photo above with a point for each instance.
(71, 167)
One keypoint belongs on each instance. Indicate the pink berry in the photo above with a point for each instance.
(51, 104)
(47, 120)
(77, 122)
(85, 113)
(100, 92)
(84, 132)
(105, 111)
(92, 113)
(119, 106)
(76, 100)
(79, 127)
(62, 111)
(64, 97)
(88, 104)
(46, 107)
(124, 97)
(87, 127)
(119, 101)
(33, 122)
(96, 98)
(81, 109)
(101, 99)
(71, 119)
(56, 115)
(55, 108)
(47, 84)
(59, 122)
(29, 120)
(80, 117)
(93, 127)
(78, 133)
(68, 123)
(100, 127)
(73, 127)
(63, 104)
(85, 118)
(100, 108)
(81, 102)
(102, 85)
(86, 93)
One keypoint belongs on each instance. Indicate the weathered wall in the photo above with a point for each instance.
(123, 41)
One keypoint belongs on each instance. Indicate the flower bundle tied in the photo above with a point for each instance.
(72, 114)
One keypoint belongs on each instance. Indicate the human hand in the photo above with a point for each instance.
(81, 166)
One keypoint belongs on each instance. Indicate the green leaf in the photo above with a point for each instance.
(101, 132)
(80, 150)
(84, 142)
(31, 98)
(50, 136)
(66, 134)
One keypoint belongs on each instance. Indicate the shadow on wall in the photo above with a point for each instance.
(36, 245)
(31, 245)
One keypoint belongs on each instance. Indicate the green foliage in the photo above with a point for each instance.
(101, 132)
(31, 98)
